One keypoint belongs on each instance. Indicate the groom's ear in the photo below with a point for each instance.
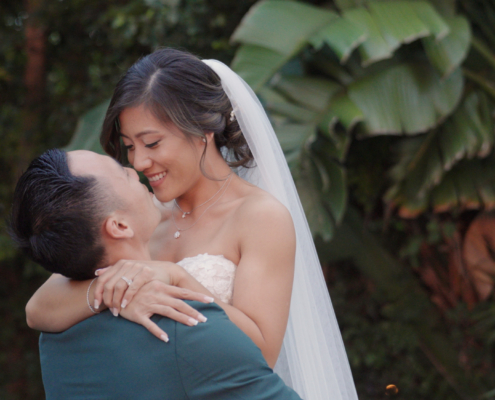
(116, 227)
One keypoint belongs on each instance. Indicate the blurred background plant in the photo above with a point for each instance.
(385, 110)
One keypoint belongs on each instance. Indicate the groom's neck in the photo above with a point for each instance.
(127, 251)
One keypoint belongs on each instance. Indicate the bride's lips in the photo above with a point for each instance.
(156, 179)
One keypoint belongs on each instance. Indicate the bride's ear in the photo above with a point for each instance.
(209, 137)
(117, 228)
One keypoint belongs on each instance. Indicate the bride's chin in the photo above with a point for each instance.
(162, 197)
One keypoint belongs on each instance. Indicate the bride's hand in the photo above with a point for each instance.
(152, 299)
(116, 293)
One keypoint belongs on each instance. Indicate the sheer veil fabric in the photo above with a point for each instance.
(313, 360)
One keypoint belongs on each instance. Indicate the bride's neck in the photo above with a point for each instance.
(211, 184)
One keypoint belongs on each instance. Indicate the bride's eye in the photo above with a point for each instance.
(151, 145)
(129, 147)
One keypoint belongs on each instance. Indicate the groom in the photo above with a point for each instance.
(73, 213)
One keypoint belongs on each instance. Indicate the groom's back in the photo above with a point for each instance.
(105, 357)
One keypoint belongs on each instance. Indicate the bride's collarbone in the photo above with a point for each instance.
(212, 238)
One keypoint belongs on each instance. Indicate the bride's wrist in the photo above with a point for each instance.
(177, 275)
(90, 298)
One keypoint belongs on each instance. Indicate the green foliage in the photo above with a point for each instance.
(405, 127)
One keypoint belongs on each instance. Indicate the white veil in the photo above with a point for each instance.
(313, 360)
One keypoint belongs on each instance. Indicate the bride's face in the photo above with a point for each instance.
(161, 151)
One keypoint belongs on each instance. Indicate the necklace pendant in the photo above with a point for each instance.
(177, 235)
(184, 215)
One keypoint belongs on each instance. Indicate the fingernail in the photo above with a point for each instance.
(193, 321)
(202, 318)
(124, 303)
(164, 338)
(97, 304)
(115, 312)
(209, 299)
(97, 272)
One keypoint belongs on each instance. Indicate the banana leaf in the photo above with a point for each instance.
(88, 130)
(257, 64)
(407, 98)
(293, 136)
(342, 35)
(311, 93)
(448, 53)
(374, 48)
(398, 22)
(346, 111)
(333, 185)
(307, 185)
(281, 26)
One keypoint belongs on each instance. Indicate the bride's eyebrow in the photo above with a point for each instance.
(140, 134)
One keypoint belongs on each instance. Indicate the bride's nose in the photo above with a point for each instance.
(141, 160)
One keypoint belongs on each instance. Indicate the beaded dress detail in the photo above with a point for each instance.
(214, 272)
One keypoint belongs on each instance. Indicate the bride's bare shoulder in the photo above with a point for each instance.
(260, 209)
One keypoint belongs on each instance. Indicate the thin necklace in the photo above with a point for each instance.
(177, 233)
(185, 213)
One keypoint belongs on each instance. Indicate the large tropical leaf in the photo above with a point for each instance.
(448, 53)
(342, 35)
(332, 179)
(271, 33)
(292, 137)
(470, 184)
(282, 26)
(88, 130)
(343, 109)
(257, 64)
(398, 22)
(277, 104)
(311, 93)
(408, 98)
(375, 47)
(308, 181)
(425, 160)
(388, 24)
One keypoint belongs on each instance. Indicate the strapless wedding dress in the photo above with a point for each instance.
(215, 272)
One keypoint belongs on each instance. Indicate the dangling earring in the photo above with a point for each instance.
(204, 140)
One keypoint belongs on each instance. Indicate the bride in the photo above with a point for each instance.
(231, 218)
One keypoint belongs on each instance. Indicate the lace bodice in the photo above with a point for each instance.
(214, 272)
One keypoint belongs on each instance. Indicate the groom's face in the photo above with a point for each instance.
(135, 199)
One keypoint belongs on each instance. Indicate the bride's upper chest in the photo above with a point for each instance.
(214, 235)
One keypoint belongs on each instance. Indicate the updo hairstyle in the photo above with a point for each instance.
(177, 87)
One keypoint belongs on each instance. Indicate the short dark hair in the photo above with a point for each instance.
(177, 87)
(56, 217)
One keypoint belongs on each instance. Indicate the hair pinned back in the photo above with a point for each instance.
(177, 87)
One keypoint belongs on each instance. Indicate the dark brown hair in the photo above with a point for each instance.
(177, 87)
(56, 217)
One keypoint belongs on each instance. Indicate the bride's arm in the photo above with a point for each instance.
(263, 282)
(59, 304)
